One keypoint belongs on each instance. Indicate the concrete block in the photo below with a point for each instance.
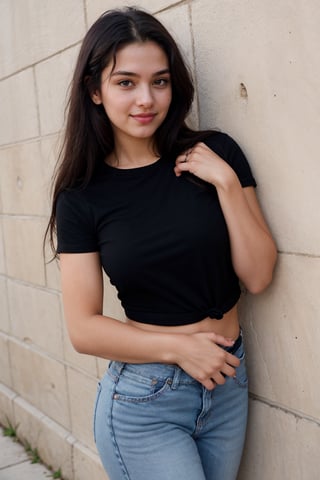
(95, 8)
(279, 445)
(282, 336)
(53, 279)
(49, 148)
(111, 308)
(87, 464)
(7, 397)
(33, 30)
(55, 449)
(102, 366)
(23, 186)
(36, 317)
(111, 304)
(23, 238)
(18, 108)
(49, 154)
(5, 371)
(28, 420)
(82, 391)
(177, 21)
(2, 253)
(41, 381)
(42, 433)
(4, 309)
(53, 78)
(248, 95)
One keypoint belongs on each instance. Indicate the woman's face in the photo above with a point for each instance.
(136, 91)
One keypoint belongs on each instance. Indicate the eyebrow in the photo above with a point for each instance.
(132, 74)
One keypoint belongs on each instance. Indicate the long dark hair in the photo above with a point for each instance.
(88, 136)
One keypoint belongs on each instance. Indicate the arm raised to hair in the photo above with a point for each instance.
(253, 249)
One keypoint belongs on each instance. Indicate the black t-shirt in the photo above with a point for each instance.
(162, 239)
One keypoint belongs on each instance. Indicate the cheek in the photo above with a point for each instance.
(166, 100)
(116, 105)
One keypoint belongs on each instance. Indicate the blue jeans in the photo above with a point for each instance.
(155, 422)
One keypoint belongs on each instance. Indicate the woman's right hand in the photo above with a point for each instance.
(200, 355)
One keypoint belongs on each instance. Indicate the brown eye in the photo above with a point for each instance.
(125, 83)
(161, 82)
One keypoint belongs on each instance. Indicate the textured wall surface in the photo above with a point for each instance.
(256, 66)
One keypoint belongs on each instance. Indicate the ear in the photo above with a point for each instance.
(96, 97)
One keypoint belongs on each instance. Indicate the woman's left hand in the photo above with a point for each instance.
(201, 161)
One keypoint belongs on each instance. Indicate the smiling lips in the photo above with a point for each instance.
(144, 117)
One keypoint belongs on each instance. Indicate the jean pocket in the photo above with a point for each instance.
(95, 409)
(133, 388)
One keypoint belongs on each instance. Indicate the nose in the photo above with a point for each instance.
(144, 97)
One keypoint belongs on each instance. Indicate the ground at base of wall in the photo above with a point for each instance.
(15, 462)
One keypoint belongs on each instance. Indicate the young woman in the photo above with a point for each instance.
(171, 215)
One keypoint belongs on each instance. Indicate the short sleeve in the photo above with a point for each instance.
(229, 150)
(75, 224)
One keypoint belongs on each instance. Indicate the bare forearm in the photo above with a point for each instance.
(198, 354)
(108, 338)
(252, 247)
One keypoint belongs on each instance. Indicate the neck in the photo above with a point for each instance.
(132, 154)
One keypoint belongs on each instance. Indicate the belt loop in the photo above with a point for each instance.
(116, 368)
(121, 366)
(176, 378)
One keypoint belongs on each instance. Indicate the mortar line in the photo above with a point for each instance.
(22, 216)
(172, 5)
(34, 348)
(37, 99)
(299, 254)
(278, 406)
(26, 141)
(194, 66)
(24, 283)
(5, 276)
(38, 62)
(85, 11)
(10, 328)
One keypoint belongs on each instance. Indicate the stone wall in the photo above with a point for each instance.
(257, 68)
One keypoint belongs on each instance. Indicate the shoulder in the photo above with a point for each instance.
(71, 198)
(75, 223)
(230, 151)
(81, 194)
(73, 207)
(221, 143)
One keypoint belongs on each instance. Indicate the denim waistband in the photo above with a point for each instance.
(172, 374)
(150, 372)
(237, 344)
